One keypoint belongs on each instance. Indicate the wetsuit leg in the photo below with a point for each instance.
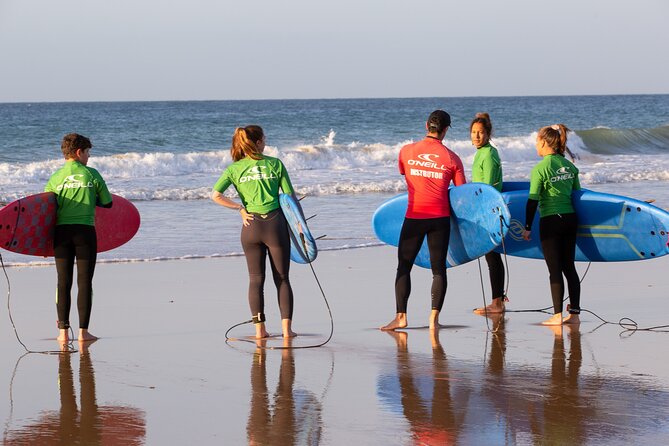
(550, 228)
(278, 242)
(256, 254)
(411, 238)
(496, 272)
(568, 265)
(85, 246)
(64, 256)
(437, 242)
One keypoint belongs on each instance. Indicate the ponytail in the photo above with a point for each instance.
(556, 137)
(244, 142)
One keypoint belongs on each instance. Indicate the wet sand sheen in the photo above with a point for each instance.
(162, 373)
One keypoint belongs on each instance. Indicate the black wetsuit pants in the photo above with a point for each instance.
(558, 241)
(496, 272)
(75, 242)
(263, 235)
(414, 231)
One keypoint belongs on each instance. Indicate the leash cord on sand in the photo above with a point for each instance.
(69, 349)
(327, 304)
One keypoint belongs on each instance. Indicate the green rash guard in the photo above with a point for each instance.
(551, 184)
(78, 189)
(257, 182)
(487, 167)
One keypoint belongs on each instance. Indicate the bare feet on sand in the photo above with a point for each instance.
(261, 331)
(496, 307)
(85, 336)
(400, 321)
(434, 320)
(557, 319)
(286, 325)
(63, 335)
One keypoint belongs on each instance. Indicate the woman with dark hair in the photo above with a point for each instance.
(552, 182)
(258, 179)
(487, 168)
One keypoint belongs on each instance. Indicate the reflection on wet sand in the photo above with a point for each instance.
(289, 416)
(460, 402)
(89, 424)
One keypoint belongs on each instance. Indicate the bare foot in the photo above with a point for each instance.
(400, 321)
(286, 325)
(85, 336)
(496, 307)
(572, 319)
(556, 319)
(261, 332)
(434, 320)
(63, 335)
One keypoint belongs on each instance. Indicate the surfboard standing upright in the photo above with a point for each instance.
(302, 244)
(27, 225)
(611, 228)
(479, 222)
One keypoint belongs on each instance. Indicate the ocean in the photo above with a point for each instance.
(341, 155)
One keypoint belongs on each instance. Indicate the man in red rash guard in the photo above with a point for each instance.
(428, 167)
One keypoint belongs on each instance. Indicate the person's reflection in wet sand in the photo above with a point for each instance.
(433, 418)
(276, 422)
(87, 425)
(565, 411)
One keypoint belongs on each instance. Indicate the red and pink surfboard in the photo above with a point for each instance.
(27, 224)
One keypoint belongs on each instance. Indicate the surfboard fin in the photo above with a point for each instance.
(307, 219)
(322, 236)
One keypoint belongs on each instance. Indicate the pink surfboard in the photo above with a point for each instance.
(27, 225)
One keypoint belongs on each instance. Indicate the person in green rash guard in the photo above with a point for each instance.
(79, 189)
(487, 168)
(258, 179)
(552, 182)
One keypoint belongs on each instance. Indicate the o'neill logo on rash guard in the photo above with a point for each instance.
(562, 174)
(255, 173)
(426, 160)
(72, 182)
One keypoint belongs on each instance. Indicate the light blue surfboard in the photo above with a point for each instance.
(302, 244)
(478, 217)
(611, 228)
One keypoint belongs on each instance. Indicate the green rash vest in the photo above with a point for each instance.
(487, 167)
(257, 182)
(78, 189)
(552, 181)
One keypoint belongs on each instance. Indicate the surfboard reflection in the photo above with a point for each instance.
(86, 424)
(461, 402)
(288, 416)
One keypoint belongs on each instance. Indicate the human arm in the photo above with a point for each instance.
(458, 172)
(220, 199)
(530, 212)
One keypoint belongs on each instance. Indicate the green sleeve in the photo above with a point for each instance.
(103, 194)
(488, 169)
(223, 182)
(535, 184)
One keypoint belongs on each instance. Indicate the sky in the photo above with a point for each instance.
(128, 50)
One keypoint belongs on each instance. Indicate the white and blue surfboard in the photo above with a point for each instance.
(302, 244)
(479, 222)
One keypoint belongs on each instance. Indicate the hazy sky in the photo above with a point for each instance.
(100, 50)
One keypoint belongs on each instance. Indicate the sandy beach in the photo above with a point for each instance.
(162, 372)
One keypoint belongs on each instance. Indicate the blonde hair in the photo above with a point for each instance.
(245, 142)
(555, 136)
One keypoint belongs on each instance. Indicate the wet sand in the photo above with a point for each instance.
(162, 373)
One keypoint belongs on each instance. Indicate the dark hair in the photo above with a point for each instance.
(244, 142)
(73, 142)
(555, 136)
(484, 120)
(438, 121)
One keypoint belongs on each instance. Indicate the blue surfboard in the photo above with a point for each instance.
(302, 244)
(478, 216)
(611, 228)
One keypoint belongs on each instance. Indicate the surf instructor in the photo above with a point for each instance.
(79, 189)
(428, 167)
(258, 178)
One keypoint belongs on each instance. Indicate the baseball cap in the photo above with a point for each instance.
(438, 121)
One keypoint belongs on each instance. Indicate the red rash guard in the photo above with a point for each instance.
(429, 167)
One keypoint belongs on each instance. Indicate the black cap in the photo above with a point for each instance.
(438, 121)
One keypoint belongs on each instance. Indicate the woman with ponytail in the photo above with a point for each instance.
(487, 168)
(551, 185)
(258, 179)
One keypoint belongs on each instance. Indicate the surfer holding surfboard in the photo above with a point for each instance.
(429, 167)
(78, 190)
(487, 168)
(552, 182)
(258, 179)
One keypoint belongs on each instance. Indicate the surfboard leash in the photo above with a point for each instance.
(69, 348)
